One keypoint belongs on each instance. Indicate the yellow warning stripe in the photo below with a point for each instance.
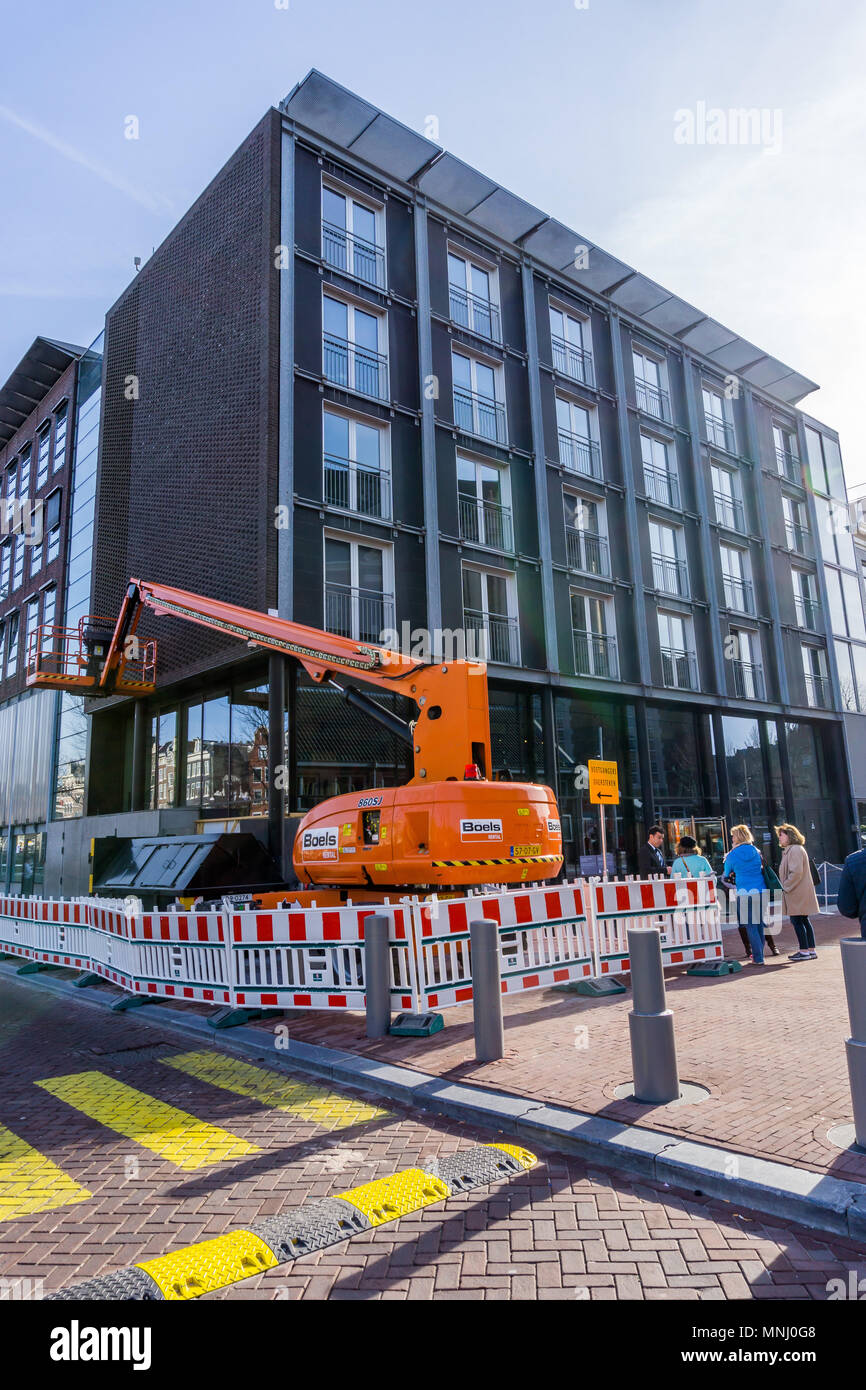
(172, 1134)
(320, 1107)
(523, 1156)
(212, 1264)
(387, 1199)
(483, 863)
(30, 1182)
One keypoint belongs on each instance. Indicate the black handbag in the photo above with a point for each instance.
(813, 870)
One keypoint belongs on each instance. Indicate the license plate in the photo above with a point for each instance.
(524, 851)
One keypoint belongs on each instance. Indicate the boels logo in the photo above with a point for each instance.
(476, 829)
(323, 837)
(553, 827)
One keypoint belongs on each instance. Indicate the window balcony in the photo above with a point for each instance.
(730, 512)
(818, 692)
(579, 454)
(478, 315)
(587, 552)
(595, 655)
(748, 680)
(496, 637)
(479, 415)
(354, 488)
(361, 614)
(353, 255)
(719, 432)
(671, 576)
(573, 362)
(789, 466)
(652, 400)
(799, 538)
(679, 669)
(486, 523)
(355, 368)
(662, 486)
(739, 594)
(808, 612)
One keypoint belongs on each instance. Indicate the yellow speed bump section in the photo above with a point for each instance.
(523, 1156)
(172, 1134)
(320, 1107)
(212, 1264)
(30, 1182)
(389, 1198)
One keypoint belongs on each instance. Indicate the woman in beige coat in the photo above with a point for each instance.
(799, 893)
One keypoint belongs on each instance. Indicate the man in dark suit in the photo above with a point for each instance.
(650, 858)
(851, 901)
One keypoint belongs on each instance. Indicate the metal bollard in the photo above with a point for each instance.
(854, 971)
(377, 974)
(651, 1023)
(486, 990)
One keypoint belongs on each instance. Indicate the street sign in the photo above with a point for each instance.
(603, 782)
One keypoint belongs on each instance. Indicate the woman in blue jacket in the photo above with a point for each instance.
(745, 863)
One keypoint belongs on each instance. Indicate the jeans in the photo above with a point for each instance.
(749, 912)
(805, 935)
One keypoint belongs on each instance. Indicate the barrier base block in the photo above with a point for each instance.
(714, 967)
(131, 1001)
(606, 984)
(231, 1017)
(416, 1025)
(82, 981)
(34, 966)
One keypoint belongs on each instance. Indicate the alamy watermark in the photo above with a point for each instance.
(759, 126)
(22, 516)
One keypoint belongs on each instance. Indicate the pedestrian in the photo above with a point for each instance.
(689, 863)
(851, 901)
(745, 864)
(798, 891)
(650, 857)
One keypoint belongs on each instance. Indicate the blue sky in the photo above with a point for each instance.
(572, 108)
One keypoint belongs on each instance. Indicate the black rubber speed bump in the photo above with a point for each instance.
(477, 1167)
(310, 1227)
(123, 1285)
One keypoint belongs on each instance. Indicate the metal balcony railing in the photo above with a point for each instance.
(679, 669)
(356, 488)
(661, 485)
(595, 654)
(353, 255)
(587, 551)
(573, 362)
(799, 538)
(808, 612)
(579, 454)
(479, 315)
(356, 368)
(748, 680)
(495, 637)
(652, 400)
(729, 512)
(486, 523)
(671, 576)
(362, 614)
(480, 415)
(818, 692)
(739, 594)
(719, 432)
(789, 466)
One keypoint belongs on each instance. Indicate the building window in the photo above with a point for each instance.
(43, 451)
(31, 627)
(717, 419)
(806, 602)
(670, 570)
(586, 543)
(51, 526)
(746, 664)
(352, 348)
(12, 626)
(571, 346)
(736, 578)
(484, 503)
(35, 557)
(815, 675)
(359, 589)
(660, 477)
(11, 483)
(851, 661)
(472, 297)
(353, 237)
(593, 631)
(787, 456)
(60, 423)
(727, 497)
(490, 615)
(24, 472)
(5, 569)
(579, 451)
(679, 666)
(650, 382)
(796, 526)
(18, 570)
(478, 397)
(49, 615)
(356, 466)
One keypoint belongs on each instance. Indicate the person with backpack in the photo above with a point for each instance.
(744, 862)
(798, 888)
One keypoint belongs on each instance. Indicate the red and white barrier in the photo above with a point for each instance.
(685, 911)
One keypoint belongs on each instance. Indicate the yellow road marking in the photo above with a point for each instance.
(212, 1264)
(311, 1103)
(30, 1182)
(173, 1134)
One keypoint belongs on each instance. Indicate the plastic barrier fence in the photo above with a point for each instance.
(684, 910)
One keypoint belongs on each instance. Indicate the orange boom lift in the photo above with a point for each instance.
(448, 827)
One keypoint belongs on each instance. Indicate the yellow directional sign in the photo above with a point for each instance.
(603, 782)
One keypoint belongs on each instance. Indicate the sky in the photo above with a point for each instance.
(574, 105)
